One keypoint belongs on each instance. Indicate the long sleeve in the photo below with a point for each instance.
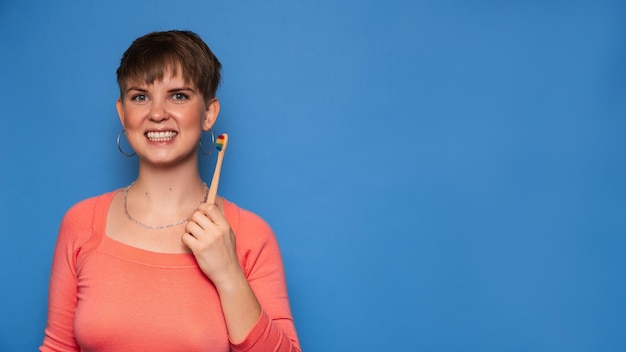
(62, 300)
(106, 295)
(262, 263)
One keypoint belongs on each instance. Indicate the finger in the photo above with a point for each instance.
(201, 219)
(189, 240)
(213, 213)
(205, 208)
(195, 229)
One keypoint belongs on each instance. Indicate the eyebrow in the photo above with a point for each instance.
(181, 89)
(177, 89)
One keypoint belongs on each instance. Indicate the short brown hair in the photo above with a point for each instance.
(150, 56)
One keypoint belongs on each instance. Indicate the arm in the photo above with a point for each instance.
(252, 294)
(62, 296)
(262, 263)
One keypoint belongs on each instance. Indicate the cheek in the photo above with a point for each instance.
(196, 118)
(133, 117)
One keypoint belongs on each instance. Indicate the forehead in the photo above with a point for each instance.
(164, 73)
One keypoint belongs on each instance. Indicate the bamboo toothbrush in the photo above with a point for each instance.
(220, 145)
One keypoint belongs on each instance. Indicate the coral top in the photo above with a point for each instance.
(109, 296)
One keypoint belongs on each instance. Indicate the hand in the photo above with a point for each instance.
(211, 240)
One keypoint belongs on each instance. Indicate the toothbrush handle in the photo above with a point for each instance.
(216, 179)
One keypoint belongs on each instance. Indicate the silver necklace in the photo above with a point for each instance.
(160, 227)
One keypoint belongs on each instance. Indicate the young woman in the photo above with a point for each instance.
(153, 266)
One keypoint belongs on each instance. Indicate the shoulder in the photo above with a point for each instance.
(250, 229)
(257, 247)
(79, 211)
(79, 219)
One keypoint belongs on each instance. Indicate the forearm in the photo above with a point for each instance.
(253, 290)
(249, 327)
(240, 306)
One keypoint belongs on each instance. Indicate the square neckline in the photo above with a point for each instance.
(128, 252)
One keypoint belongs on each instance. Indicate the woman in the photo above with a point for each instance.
(153, 266)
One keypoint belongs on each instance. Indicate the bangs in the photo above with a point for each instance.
(151, 68)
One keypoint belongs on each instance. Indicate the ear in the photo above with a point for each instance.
(210, 114)
(120, 111)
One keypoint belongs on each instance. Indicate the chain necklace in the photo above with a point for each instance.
(160, 227)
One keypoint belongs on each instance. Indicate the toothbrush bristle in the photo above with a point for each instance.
(219, 144)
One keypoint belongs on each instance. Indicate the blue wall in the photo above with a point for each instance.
(441, 175)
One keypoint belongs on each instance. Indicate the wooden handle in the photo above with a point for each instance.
(211, 198)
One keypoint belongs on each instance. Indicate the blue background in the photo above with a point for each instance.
(441, 175)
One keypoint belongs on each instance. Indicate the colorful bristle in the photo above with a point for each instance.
(219, 144)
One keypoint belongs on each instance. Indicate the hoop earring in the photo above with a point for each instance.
(119, 136)
(212, 144)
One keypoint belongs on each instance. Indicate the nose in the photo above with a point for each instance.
(158, 112)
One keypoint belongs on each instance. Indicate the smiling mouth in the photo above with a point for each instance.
(161, 136)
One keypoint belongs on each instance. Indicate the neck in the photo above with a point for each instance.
(165, 195)
(173, 182)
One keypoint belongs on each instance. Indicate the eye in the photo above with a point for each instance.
(139, 97)
(180, 96)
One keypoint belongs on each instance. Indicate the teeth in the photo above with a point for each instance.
(161, 136)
